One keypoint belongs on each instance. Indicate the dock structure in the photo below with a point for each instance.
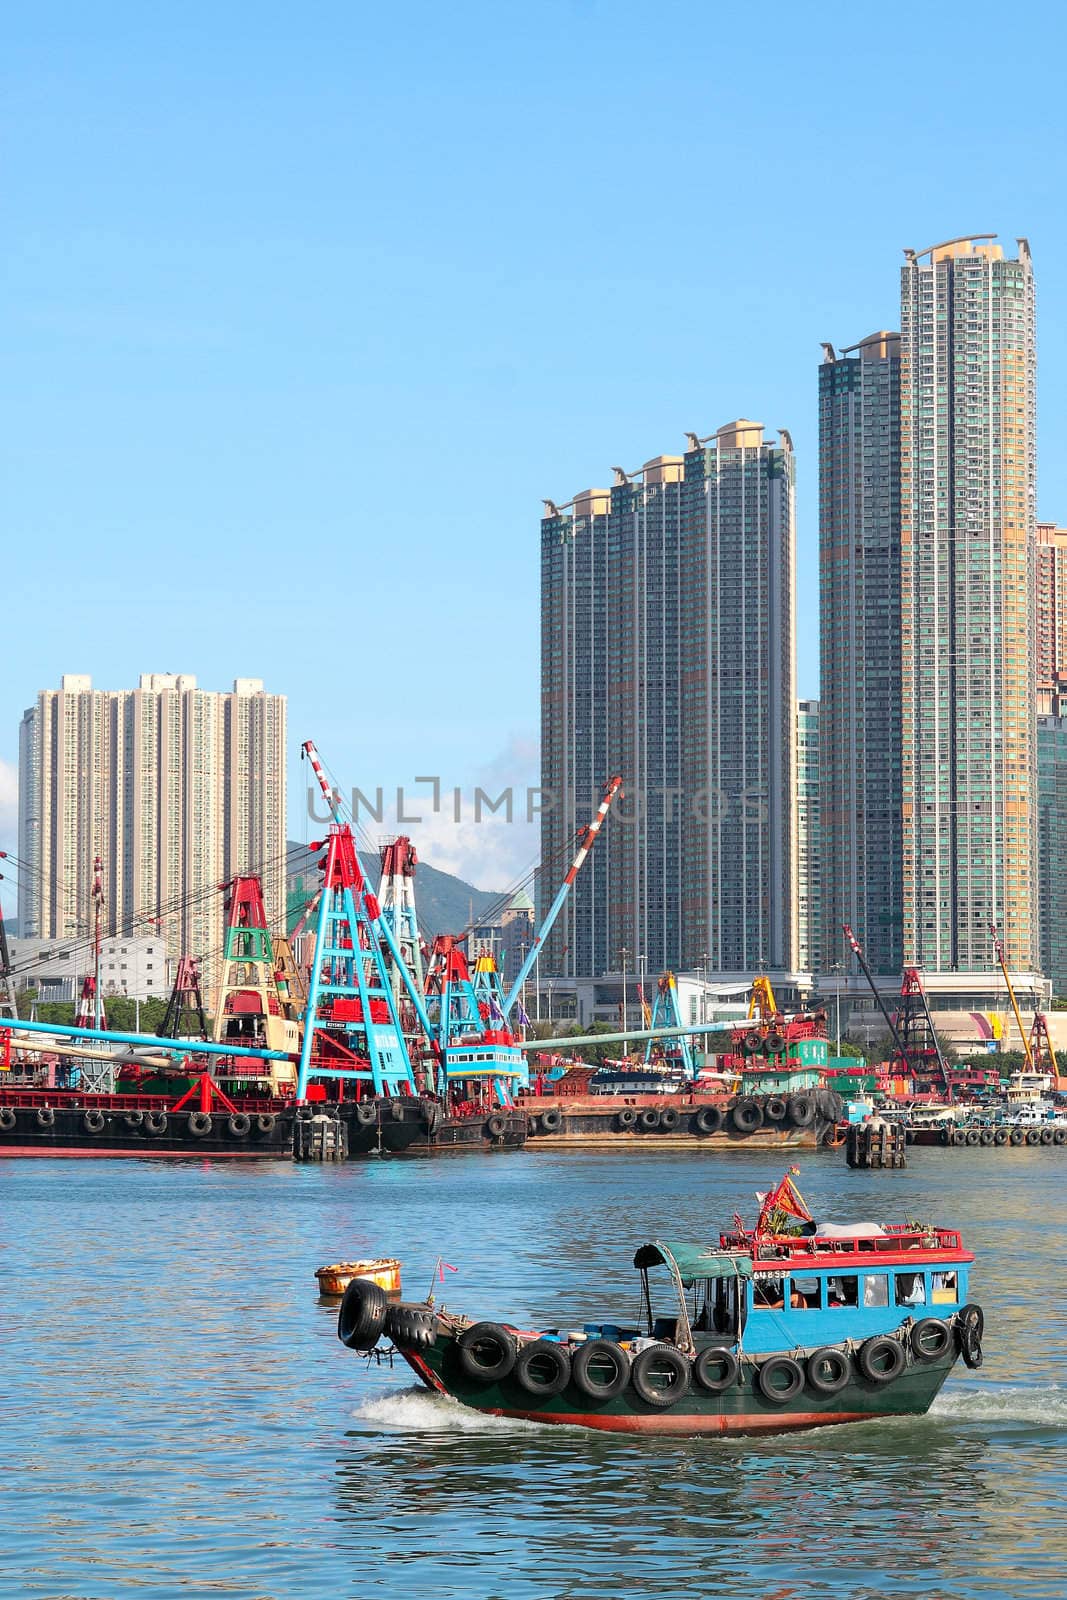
(875, 1143)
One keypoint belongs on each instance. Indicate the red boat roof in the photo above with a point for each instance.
(898, 1243)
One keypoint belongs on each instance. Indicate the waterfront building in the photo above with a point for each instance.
(1052, 847)
(668, 655)
(1050, 619)
(969, 770)
(808, 839)
(132, 966)
(860, 868)
(176, 789)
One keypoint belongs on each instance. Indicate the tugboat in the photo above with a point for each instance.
(767, 1331)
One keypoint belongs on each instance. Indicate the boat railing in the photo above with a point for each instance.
(894, 1238)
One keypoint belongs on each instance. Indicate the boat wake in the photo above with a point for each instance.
(417, 1411)
(1044, 1406)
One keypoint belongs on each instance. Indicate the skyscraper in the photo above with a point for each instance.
(1052, 847)
(967, 630)
(860, 692)
(174, 787)
(808, 836)
(668, 655)
(1050, 618)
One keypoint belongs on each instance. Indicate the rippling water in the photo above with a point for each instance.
(178, 1417)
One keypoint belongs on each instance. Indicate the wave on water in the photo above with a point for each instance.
(418, 1411)
(1044, 1406)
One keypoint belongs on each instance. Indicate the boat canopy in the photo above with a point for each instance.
(693, 1261)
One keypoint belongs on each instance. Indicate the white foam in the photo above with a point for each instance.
(418, 1411)
(1046, 1406)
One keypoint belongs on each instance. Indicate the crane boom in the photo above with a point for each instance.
(854, 945)
(613, 788)
(998, 946)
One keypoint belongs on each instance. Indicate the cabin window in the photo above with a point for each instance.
(876, 1289)
(768, 1294)
(718, 1304)
(910, 1289)
(945, 1286)
(804, 1294)
(843, 1291)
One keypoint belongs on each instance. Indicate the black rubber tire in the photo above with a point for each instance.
(909, 1136)
(239, 1124)
(7, 1119)
(532, 1361)
(708, 1120)
(970, 1326)
(361, 1317)
(626, 1117)
(265, 1122)
(551, 1120)
(1000, 1136)
(411, 1326)
(973, 1137)
(134, 1119)
(1059, 1135)
(801, 1110)
(156, 1122)
(779, 1395)
(715, 1369)
(476, 1349)
(200, 1124)
(986, 1137)
(584, 1374)
(665, 1359)
(94, 1120)
(752, 1043)
(959, 1136)
(1046, 1136)
(871, 1353)
(1017, 1137)
(46, 1117)
(944, 1137)
(1033, 1137)
(775, 1109)
(746, 1115)
(649, 1119)
(827, 1355)
(774, 1044)
(668, 1119)
(496, 1126)
(432, 1117)
(930, 1338)
(366, 1113)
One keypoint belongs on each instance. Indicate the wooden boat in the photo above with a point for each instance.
(334, 1280)
(757, 1333)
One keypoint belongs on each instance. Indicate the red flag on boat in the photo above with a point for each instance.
(781, 1204)
(441, 1266)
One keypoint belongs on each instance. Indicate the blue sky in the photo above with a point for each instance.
(306, 309)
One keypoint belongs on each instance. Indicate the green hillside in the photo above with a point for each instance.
(445, 902)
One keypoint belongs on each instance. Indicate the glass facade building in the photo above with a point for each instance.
(860, 669)
(1052, 847)
(668, 650)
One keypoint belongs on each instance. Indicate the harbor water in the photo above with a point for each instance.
(179, 1417)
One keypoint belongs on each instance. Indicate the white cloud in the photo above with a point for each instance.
(485, 830)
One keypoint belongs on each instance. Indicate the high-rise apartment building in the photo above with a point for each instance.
(1050, 619)
(175, 788)
(1052, 847)
(860, 691)
(668, 655)
(967, 472)
(808, 836)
